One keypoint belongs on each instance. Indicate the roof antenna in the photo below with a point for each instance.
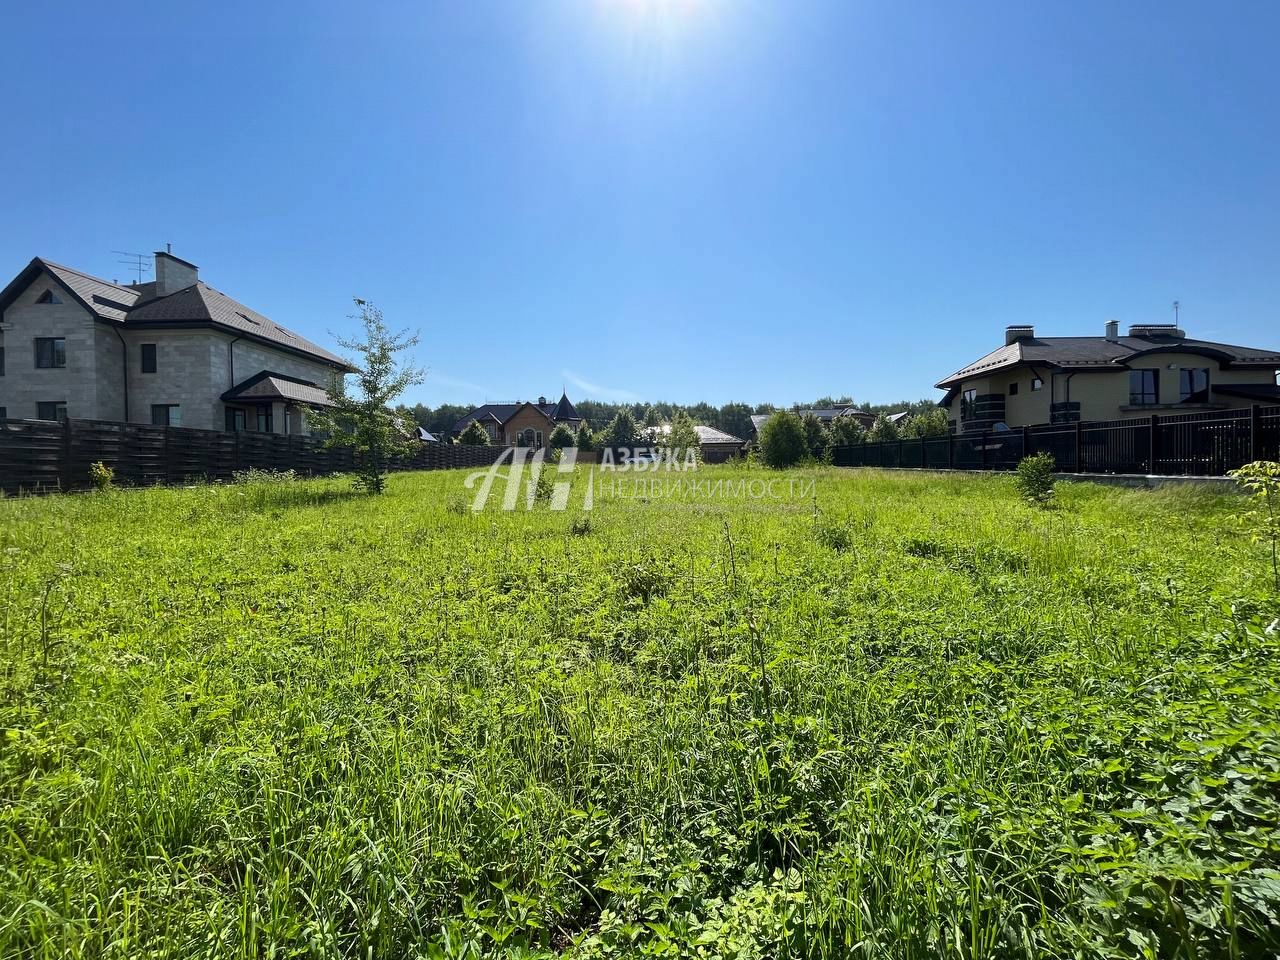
(140, 263)
(1176, 307)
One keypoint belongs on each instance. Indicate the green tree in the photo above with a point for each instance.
(561, 436)
(782, 441)
(586, 439)
(882, 430)
(927, 423)
(681, 438)
(735, 419)
(816, 439)
(475, 435)
(651, 417)
(366, 421)
(621, 431)
(846, 431)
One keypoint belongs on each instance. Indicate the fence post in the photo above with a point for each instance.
(1255, 432)
(1079, 466)
(924, 454)
(899, 451)
(880, 450)
(1154, 444)
(64, 463)
(1026, 441)
(951, 449)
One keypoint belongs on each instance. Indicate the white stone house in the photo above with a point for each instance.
(172, 352)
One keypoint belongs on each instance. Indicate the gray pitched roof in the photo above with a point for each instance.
(269, 385)
(1073, 353)
(201, 303)
(197, 304)
(108, 300)
(712, 435)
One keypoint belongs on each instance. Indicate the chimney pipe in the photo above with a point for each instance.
(1113, 329)
(1012, 334)
(173, 273)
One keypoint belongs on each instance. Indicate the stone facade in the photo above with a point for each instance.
(103, 378)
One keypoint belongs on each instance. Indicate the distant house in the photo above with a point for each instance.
(824, 414)
(522, 423)
(715, 446)
(171, 352)
(1157, 368)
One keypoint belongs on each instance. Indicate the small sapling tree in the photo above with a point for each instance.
(1262, 479)
(366, 421)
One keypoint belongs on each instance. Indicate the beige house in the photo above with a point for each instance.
(1157, 368)
(171, 352)
(522, 423)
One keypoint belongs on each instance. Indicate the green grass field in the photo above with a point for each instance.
(928, 720)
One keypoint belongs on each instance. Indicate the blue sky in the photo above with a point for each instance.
(666, 199)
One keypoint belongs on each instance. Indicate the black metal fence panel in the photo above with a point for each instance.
(1207, 444)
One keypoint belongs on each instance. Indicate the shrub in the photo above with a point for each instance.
(782, 441)
(260, 475)
(1034, 478)
(882, 430)
(560, 437)
(846, 431)
(681, 438)
(1262, 478)
(475, 435)
(932, 423)
(621, 431)
(586, 439)
(817, 439)
(101, 476)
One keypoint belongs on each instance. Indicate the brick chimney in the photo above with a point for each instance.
(173, 273)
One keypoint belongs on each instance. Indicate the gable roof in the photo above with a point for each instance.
(269, 385)
(1075, 353)
(502, 412)
(198, 305)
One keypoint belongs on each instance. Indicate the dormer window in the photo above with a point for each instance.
(48, 297)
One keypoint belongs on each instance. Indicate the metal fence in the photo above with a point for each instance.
(39, 456)
(1205, 444)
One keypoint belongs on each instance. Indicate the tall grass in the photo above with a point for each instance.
(908, 717)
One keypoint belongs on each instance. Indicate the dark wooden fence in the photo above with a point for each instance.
(39, 456)
(1188, 444)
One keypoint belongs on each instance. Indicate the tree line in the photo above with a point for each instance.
(733, 418)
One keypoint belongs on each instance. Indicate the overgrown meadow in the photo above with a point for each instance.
(907, 716)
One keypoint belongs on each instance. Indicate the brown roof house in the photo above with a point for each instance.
(173, 351)
(1157, 368)
(521, 422)
(715, 446)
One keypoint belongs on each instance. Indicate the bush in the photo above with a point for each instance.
(782, 441)
(817, 439)
(258, 475)
(475, 435)
(586, 439)
(883, 430)
(1262, 478)
(561, 437)
(1034, 478)
(101, 476)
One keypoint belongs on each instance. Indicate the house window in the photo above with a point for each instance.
(1144, 387)
(1193, 385)
(148, 358)
(1013, 389)
(166, 415)
(51, 410)
(264, 419)
(1036, 384)
(236, 420)
(48, 297)
(968, 404)
(51, 352)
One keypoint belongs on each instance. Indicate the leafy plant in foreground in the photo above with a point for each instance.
(1034, 478)
(101, 476)
(1262, 477)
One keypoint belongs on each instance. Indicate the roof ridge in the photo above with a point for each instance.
(88, 276)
